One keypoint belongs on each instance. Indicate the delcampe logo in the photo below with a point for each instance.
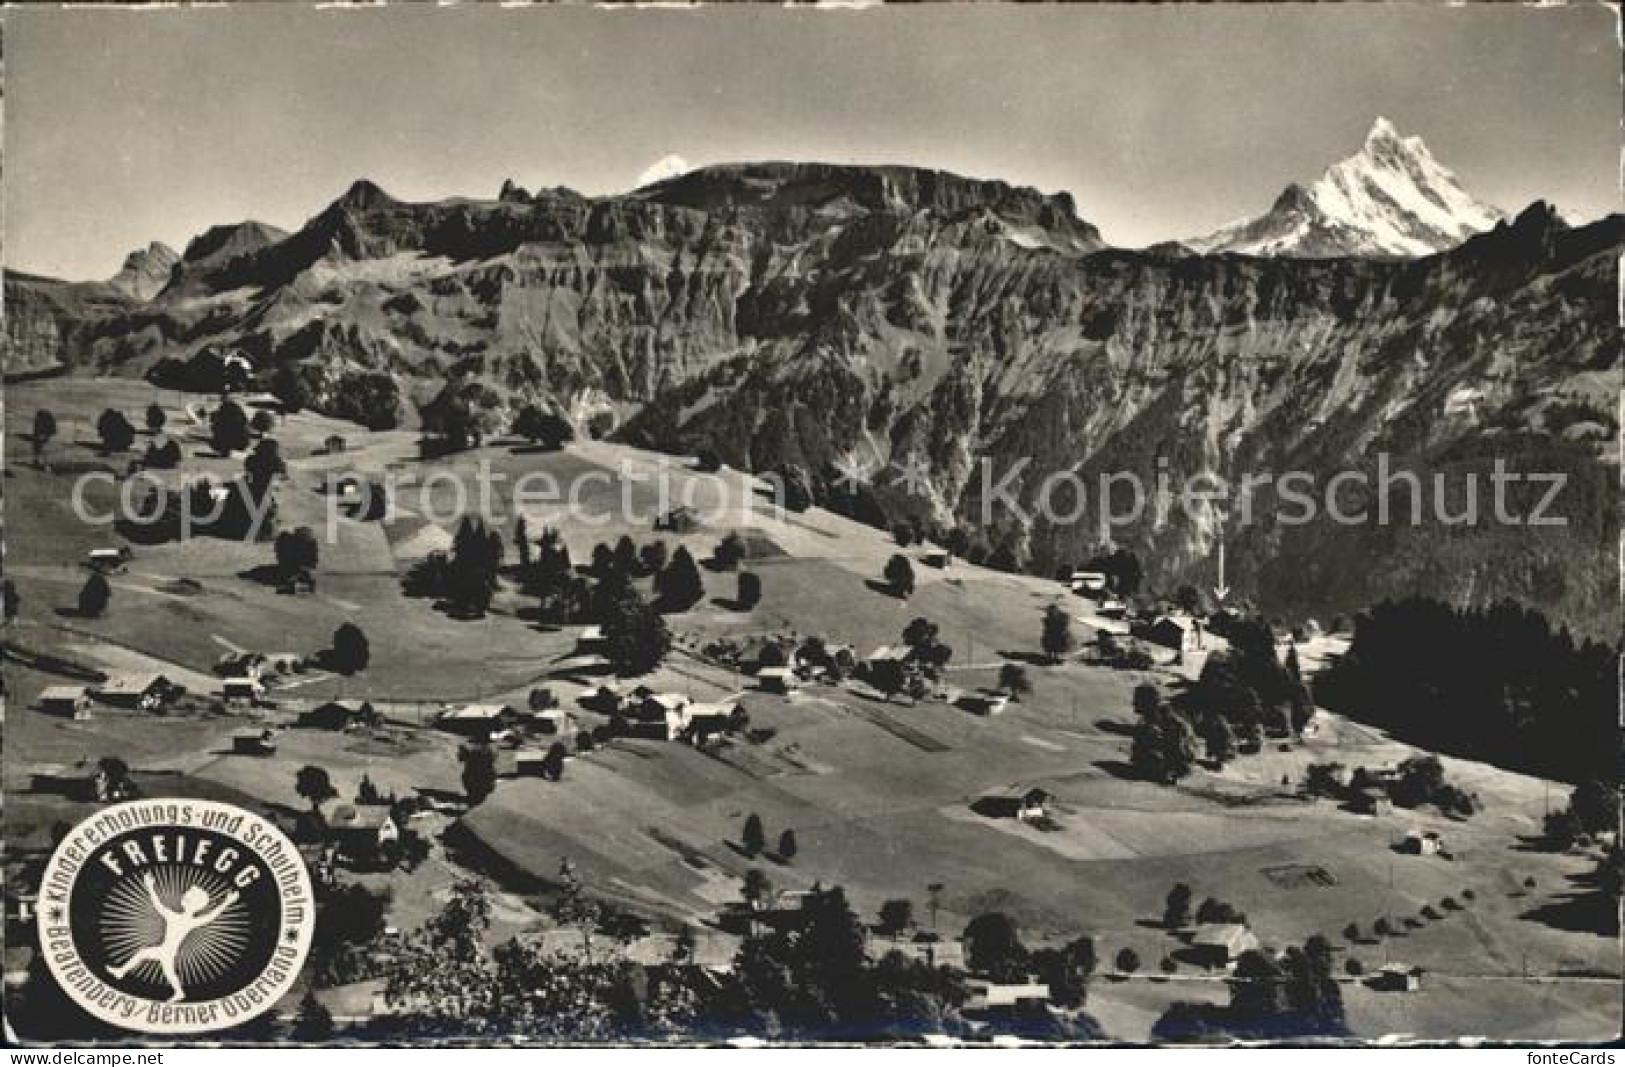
(175, 916)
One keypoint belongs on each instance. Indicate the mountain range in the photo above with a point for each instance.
(792, 316)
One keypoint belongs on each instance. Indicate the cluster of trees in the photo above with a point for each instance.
(1497, 684)
(1417, 781)
(753, 839)
(297, 553)
(1163, 744)
(636, 637)
(1177, 913)
(921, 664)
(811, 980)
(1124, 572)
(543, 428)
(1294, 995)
(1251, 688)
(1593, 809)
(466, 578)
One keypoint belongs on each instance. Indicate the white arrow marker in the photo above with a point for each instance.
(1221, 590)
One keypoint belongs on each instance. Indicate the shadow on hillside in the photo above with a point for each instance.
(1032, 659)
(1587, 910)
(1112, 726)
(883, 588)
(1119, 769)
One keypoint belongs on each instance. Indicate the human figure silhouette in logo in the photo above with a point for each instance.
(177, 925)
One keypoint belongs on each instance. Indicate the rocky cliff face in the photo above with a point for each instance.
(145, 271)
(793, 316)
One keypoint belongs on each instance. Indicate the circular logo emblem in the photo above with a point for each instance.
(174, 916)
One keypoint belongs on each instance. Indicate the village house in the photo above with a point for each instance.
(1421, 843)
(529, 763)
(68, 701)
(591, 641)
(780, 680)
(254, 743)
(656, 707)
(678, 520)
(1088, 582)
(983, 703)
(360, 833)
(984, 994)
(1396, 978)
(80, 781)
(554, 722)
(924, 948)
(702, 722)
(145, 691)
(1028, 806)
(244, 688)
(479, 722)
(603, 699)
(338, 715)
(1178, 632)
(1371, 801)
(1112, 608)
(939, 558)
(108, 560)
(1220, 944)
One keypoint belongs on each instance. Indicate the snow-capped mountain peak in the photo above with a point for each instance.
(1391, 198)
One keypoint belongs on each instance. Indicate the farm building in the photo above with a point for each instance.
(68, 701)
(983, 994)
(254, 743)
(246, 687)
(604, 699)
(983, 703)
(529, 763)
(107, 560)
(359, 831)
(1421, 843)
(1372, 801)
(1026, 806)
(777, 680)
(478, 721)
(551, 721)
(591, 641)
(147, 691)
(1397, 978)
(1112, 608)
(937, 557)
(240, 664)
(80, 781)
(338, 715)
(1178, 632)
(1219, 944)
(1086, 582)
(655, 707)
(702, 722)
(678, 520)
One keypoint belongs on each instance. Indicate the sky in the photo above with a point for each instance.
(1164, 121)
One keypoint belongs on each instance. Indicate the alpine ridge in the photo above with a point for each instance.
(785, 316)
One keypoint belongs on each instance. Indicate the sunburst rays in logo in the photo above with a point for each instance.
(174, 925)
